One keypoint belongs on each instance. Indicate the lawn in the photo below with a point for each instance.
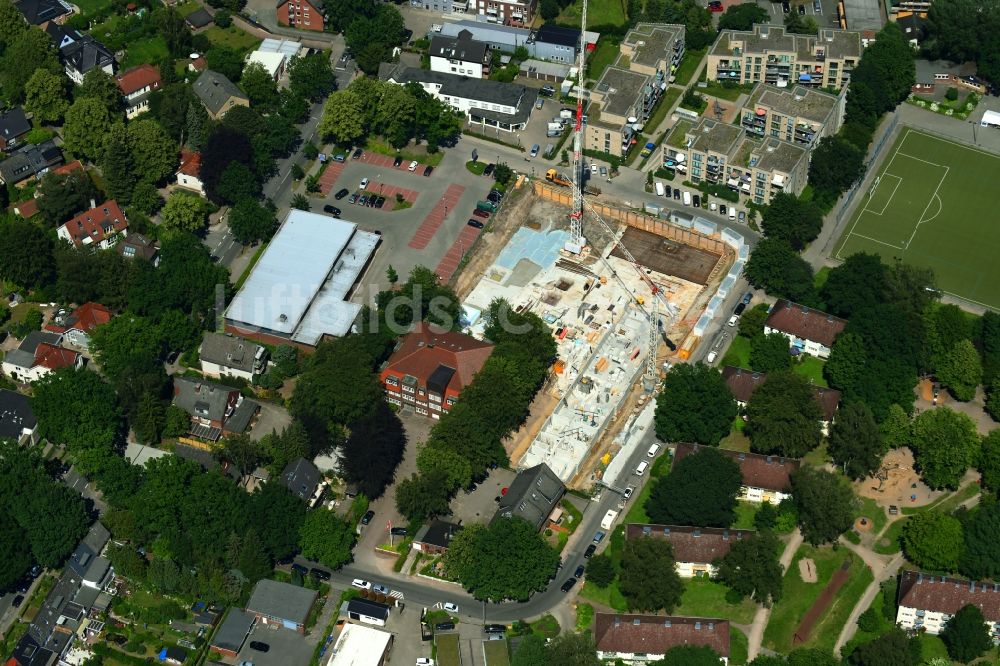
(888, 543)
(738, 353)
(584, 616)
(421, 155)
(921, 213)
(676, 137)
(447, 649)
(496, 653)
(476, 168)
(738, 646)
(821, 275)
(811, 368)
(716, 89)
(88, 7)
(662, 107)
(688, 66)
(873, 512)
(232, 37)
(745, 512)
(603, 13)
(150, 50)
(705, 598)
(187, 8)
(572, 517)
(603, 55)
(637, 512)
(946, 503)
(798, 597)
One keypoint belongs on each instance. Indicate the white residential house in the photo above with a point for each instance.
(695, 548)
(765, 478)
(459, 55)
(229, 355)
(641, 639)
(189, 172)
(926, 603)
(136, 85)
(809, 330)
(39, 354)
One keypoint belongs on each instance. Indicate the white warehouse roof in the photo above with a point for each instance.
(298, 288)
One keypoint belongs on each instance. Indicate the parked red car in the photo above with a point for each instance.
(481, 213)
(715, 6)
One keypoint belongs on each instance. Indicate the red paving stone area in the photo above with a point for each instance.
(435, 218)
(380, 160)
(390, 191)
(330, 176)
(452, 258)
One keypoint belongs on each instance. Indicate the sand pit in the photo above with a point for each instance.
(862, 524)
(897, 482)
(807, 570)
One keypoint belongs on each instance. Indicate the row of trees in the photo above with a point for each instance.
(468, 441)
(399, 113)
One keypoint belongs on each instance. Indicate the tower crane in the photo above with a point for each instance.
(576, 241)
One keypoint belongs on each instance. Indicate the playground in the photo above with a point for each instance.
(897, 482)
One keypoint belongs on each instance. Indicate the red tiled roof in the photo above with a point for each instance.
(97, 223)
(655, 634)
(89, 316)
(427, 348)
(53, 357)
(133, 80)
(701, 545)
(199, 64)
(27, 208)
(804, 322)
(758, 471)
(190, 163)
(69, 168)
(742, 383)
(948, 595)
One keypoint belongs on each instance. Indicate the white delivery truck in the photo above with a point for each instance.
(687, 198)
(608, 520)
(659, 189)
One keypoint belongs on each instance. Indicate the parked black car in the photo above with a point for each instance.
(341, 194)
(568, 585)
(444, 626)
(321, 574)
(367, 518)
(260, 647)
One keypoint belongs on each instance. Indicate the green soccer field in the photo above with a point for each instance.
(934, 204)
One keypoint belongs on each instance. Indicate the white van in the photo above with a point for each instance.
(653, 450)
(659, 189)
(712, 355)
(641, 469)
(732, 213)
(687, 198)
(608, 520)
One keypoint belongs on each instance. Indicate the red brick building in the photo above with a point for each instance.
(430, 367)
(302, 14)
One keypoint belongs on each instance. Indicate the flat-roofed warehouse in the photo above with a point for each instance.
(298, 292)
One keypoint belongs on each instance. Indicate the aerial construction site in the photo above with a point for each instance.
(598, 303)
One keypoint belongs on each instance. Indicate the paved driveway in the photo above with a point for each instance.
(272, 418)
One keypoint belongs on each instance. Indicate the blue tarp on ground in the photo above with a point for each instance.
(536, 246)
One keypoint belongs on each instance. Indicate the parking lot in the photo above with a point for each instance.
(439, 210)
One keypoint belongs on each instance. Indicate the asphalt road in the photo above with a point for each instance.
(420, 592)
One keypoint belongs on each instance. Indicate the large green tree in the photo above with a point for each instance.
(966, 634)
(778, 269)
(311, 76)
(835, 165)
(855, 442)
(648, 578)
(327, 538)
(945, 444)
(342, 121)
(860, 282)
(373, 450)
(260, 88)
(770, 353)
(824, 503)
(690, 655)
(86, 128)
(251, 222)
(792, 220)
(743, 16)
(981, 552)
(27, 51)
(117, 166)
(960, 370)
(933, 540)
(506, 560)
(422, 496)
(571, 649)
(700, 490)
(695, 405)
(154, 152)
(101, 86)
(989, 461)
(65, 195)
(894, 648)
(26, 254)
(45, 95)
(751, 568)
(784, 416)
(184, 212)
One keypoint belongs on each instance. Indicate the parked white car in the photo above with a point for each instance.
(413, 165)
(450, 607)
(361, 584)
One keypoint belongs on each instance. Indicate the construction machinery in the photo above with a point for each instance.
(557, 178)
(576, 242)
